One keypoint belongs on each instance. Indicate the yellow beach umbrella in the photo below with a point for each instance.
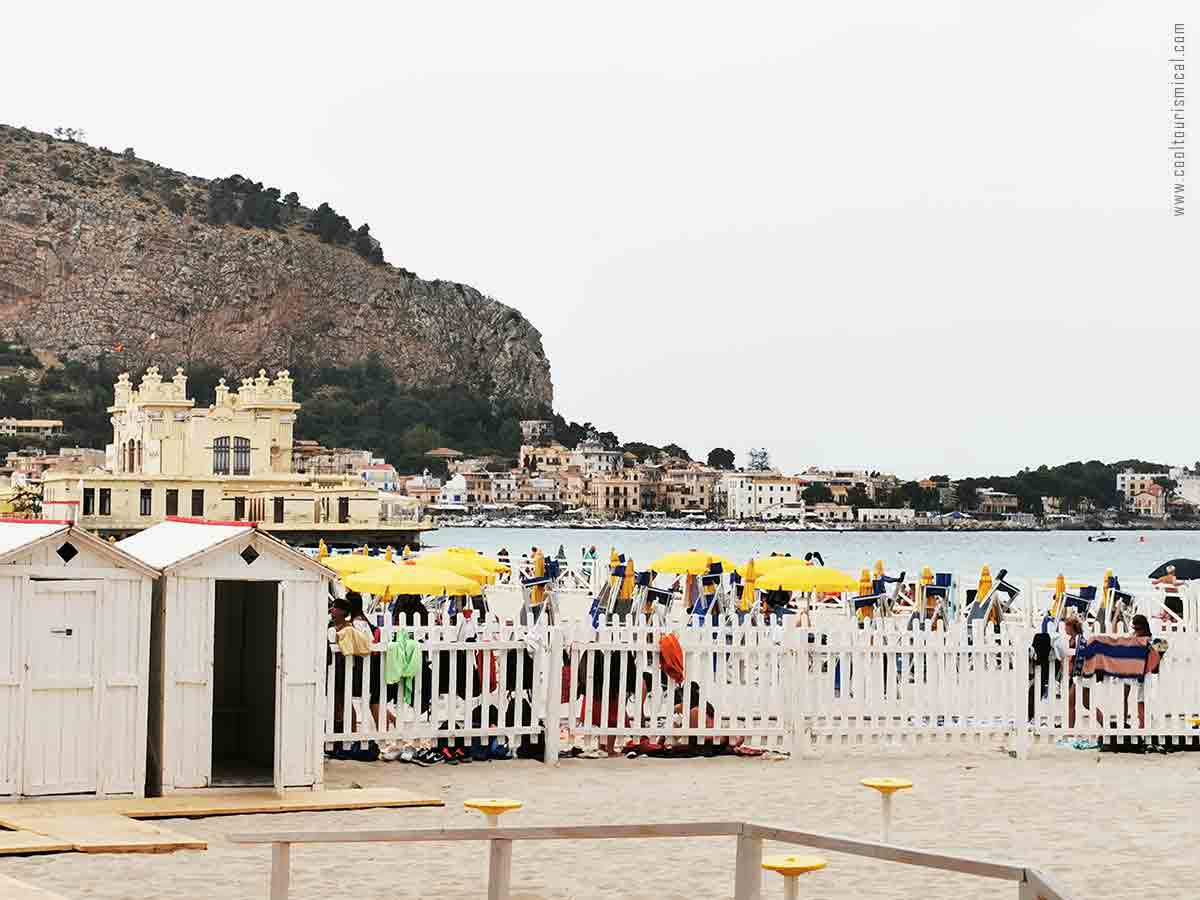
(353, 562)
(807, 578)
(410, 578)
(458, 564)
(479, 559)
(689, 562)
(765, 564)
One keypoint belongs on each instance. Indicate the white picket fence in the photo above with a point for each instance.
(772, 685)
(493, 684)
(735, 682)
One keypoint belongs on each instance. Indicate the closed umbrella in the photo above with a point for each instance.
(807, 578)
(410, 578)
(749, 573)
(629, 582)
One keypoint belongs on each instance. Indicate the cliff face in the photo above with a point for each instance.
(103, 252)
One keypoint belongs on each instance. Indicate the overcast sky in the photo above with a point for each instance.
(923, 237)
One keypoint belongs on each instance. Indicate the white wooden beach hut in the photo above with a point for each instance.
(74, 662)
(237, 658)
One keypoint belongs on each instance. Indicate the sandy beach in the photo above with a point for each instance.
(1117, 825)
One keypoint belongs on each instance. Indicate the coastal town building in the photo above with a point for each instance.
(231, 461)
(893, 516)
(1149, 503)
(747, 495)
(617, 495)
(829, 512)
(792, 511)
(547, 458)
(28, 466)
(1131, 483)
(30, 427)
(997, 503)
(424, 488)
(1188, 485)
(595, 459)
(381, 475)
(536, 431)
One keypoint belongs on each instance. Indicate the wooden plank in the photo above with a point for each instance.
(11, 889)
(889, 853)
(219, 803)
(30, 842)
(109, 833)
(552, 833)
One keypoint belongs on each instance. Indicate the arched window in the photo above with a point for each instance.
(241, 456)
(139, 456)
(131, 456)
(221, 456)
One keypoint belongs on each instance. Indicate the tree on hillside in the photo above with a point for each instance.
(817, 493)
(643, 452)
(676, 451)
(720, 458)
(968, 494)
(858, 497)
(759, 460)
(1169, 485)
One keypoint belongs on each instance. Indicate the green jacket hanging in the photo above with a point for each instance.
(403, 662)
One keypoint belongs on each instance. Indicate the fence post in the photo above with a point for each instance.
(747, 884)
(280, 870)
(552, 716)
(1021, 639)
(499, 869)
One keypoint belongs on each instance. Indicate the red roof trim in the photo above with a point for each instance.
(12, 519)
(196, 521)
(60, 502)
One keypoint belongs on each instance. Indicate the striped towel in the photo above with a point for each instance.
(1118, 657)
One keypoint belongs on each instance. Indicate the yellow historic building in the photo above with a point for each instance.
(231, 461)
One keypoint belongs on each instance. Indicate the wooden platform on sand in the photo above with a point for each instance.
(116, 826)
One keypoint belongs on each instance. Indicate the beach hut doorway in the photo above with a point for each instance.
(245, 632)
(237, 658)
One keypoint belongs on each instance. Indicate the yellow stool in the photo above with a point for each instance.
(887, 787)
(493, 808)
(791, 868)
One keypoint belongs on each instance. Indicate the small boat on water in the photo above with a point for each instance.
(1101, 538)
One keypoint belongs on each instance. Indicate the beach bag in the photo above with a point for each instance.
(353, 642)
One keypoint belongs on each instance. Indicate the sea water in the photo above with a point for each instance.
(1026, 554)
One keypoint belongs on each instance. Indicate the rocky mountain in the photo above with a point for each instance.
(106, 253)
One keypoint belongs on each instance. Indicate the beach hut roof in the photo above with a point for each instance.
(178, 540)
(19, 536)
